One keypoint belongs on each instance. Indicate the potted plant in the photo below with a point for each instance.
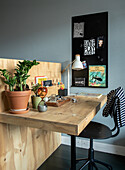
(18, 94)
(35, 98)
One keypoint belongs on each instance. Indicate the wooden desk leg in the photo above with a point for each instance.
(73, 152)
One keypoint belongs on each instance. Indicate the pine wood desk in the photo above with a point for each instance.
(70, 118)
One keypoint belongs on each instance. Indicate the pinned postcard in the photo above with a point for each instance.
(97, 75)
(78, 30)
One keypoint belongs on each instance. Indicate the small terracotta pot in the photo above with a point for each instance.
(18, 100)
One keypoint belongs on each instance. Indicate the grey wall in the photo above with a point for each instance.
(42, 30)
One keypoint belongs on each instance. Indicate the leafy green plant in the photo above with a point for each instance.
(17, 81)
(9, 79)
(35, 89)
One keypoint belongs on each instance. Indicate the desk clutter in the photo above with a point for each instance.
(39, 99)
(48, 71)
(49, 82)
(53, 100)
(56, 100)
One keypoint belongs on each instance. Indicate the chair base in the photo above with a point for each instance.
(91, 164)
(90, 161)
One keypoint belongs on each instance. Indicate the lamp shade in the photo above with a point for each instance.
(77, 65)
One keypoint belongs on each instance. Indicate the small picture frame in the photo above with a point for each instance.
(80, 82)
(40, 79)
(47, 83)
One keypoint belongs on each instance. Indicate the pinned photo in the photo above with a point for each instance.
(100, 42)
(84, 64)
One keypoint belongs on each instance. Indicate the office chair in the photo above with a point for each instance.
(96, 130)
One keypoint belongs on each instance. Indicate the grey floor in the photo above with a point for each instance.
(60, 159)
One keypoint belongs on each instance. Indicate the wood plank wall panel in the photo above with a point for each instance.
(49, 69)
(24, 147)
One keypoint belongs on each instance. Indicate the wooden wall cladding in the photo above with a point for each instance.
(49, 69)
(23, 148)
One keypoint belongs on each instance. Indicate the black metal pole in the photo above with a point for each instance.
(73, 152)
(91, 154)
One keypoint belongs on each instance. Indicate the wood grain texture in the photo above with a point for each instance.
(70, 118)
(23, 148)
(49, 69)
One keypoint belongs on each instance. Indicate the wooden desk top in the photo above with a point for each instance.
(70, 118)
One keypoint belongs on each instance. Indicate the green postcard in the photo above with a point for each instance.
(97, 75)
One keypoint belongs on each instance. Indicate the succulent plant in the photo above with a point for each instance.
(17, 81)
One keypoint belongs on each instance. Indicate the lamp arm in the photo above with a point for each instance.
(67, 67)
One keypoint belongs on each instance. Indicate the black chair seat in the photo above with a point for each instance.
(96, 130)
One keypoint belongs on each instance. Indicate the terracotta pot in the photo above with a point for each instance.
(18, 100)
